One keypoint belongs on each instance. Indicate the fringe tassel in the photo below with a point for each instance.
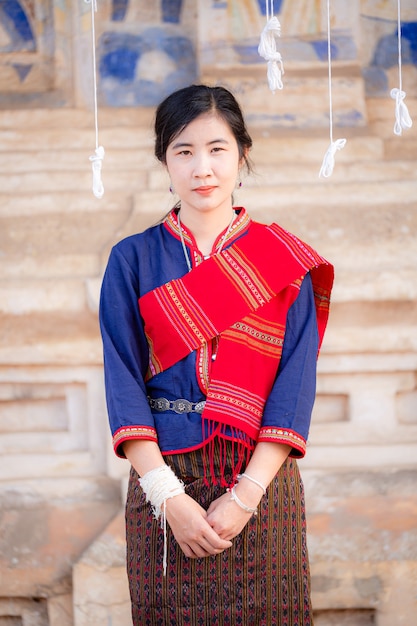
(242, 446)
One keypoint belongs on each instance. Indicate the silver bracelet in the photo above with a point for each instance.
(248, 509)
(253, 480)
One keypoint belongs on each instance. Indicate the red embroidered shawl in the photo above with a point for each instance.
(241, 295)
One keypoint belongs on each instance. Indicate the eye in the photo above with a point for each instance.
(217, 149)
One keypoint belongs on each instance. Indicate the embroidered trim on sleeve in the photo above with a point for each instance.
(286, 436)
(132, 432)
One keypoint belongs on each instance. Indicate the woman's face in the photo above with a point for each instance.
(203, 163)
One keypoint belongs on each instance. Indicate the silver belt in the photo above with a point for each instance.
(178, 406)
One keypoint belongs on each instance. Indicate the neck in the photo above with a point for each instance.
(206, 227)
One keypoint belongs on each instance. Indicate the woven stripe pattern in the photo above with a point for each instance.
(263, 580)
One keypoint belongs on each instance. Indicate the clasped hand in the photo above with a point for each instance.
(202, 533)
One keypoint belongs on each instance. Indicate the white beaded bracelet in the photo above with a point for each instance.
(253, 480)
(248, 509)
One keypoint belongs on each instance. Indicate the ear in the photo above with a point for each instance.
(244, 158)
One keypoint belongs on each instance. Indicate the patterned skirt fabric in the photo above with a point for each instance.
(262, 580)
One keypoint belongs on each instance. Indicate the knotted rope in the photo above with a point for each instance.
(402, 116)
(328, 161)
(97, 158)
(326, 169)
(267, 48)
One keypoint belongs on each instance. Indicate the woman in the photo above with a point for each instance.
(211, 326)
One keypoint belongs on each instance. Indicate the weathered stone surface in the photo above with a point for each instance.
(39, 338)
(40, 538)
(362, 541)
(101, 593)
(65, 202)
(23, 612)
(60, 610)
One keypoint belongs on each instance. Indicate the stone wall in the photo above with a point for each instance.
(61, 488)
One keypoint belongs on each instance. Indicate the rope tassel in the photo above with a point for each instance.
(328, 160)
(96, 163)
(402, 116)
(267, 49)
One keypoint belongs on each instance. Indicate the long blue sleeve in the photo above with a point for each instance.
(291, 401)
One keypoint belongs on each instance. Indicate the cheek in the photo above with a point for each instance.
(174, 172)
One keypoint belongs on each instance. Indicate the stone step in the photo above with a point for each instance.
(62, 339)
(101, 591)
(122, 181)
(55, 234)
(132, 172)
(57, 337)
(59, 465)
(365, 456)
(330, 194)
(343, 173)
(46, 527)
(292, 179)
(74, 160)
(273, 146)
(300, 173)
(68, 138)
(283, 197)
(77, 267)
(138, 117)
(75, 245)
(64, 202)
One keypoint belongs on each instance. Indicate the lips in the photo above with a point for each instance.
(204, 189)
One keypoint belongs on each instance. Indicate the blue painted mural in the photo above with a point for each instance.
(141, 69)
(385, 57)
(342, 48)
(277, 6)
(15, 23)
(119, 9)
(171, 11)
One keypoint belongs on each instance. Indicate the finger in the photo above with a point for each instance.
(214, 542)
(213, 539)
(193, 552)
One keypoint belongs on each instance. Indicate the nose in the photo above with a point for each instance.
(202, 166)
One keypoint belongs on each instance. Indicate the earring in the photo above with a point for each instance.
(171, 188)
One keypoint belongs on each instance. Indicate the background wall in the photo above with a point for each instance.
(61, 488)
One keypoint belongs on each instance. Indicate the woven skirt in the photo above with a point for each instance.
(262, 580)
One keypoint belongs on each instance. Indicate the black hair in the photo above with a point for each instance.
(185, 105)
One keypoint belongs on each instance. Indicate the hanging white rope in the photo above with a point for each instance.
(327, 166)
(97, 158)
(402, 116)
(267, 48)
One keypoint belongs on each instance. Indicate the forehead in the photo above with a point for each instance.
(205, 127)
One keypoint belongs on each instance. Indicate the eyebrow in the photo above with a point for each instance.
(181, 144)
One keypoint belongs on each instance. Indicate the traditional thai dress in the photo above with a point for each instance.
(207, 363)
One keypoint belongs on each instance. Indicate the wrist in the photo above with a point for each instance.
(160, 485)
(248, 493)
(252, 510)
(249, 489)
